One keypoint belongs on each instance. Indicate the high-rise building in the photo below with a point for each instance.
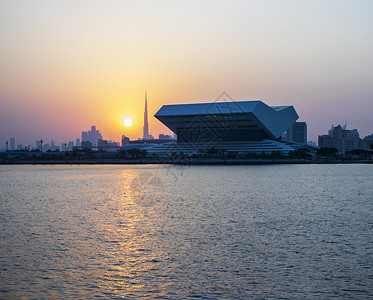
(63, 146)
(12, 143)
(368, 142)
(92, 136)
(77, 142)
(125, 140)
(297, 133)
(342, 139)
(46, 147)
(53, 145)
(70, 145)
(146, 135)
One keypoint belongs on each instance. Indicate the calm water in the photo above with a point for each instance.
(281, 231)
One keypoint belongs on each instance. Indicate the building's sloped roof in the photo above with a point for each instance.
(207, 108)
(273, 120)
(277, 108)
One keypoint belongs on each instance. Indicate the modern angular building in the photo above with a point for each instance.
(237, 126)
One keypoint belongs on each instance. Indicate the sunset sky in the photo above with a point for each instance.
(67, 65)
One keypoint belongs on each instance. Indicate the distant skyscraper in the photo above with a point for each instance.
(46, 147)
(342, 139)
(146, 135)
(70, 145)
(53, 145)
(368, 142)
(92, 136)
(12, 142)
(297, 133)
(146, 125)
(77, 142)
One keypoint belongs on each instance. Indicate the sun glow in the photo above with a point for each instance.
(127, 122)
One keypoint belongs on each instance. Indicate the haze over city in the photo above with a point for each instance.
(68, 65)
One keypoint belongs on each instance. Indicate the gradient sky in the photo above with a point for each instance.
(67, 65)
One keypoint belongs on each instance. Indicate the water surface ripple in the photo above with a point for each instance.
(200, 232)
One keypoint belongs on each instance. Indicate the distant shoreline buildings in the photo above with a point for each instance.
(92, 136)
(345, 140)
(236, 126)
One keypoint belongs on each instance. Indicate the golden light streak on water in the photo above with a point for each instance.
(129, 249)
(240, 232)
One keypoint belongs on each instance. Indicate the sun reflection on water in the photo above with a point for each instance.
(128, 250)
(216, 232)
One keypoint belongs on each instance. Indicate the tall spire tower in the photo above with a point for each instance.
(146, 125)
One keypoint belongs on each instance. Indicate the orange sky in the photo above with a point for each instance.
(67, 65)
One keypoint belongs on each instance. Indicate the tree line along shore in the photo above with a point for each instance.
(210, 156)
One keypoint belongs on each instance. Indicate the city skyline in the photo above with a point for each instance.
(14, 143)
(63, 71)
(296, 133)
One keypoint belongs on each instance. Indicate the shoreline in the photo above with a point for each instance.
(188, 161)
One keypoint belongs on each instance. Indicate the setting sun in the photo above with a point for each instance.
(127, 122)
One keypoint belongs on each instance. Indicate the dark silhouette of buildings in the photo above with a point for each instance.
(146, 135)
(86, 145)
(164, 136)
(368, 142)
(344, 140)
(297, 133)
(107, 145)
(92, 136)
(12, 142)
(125, 141)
